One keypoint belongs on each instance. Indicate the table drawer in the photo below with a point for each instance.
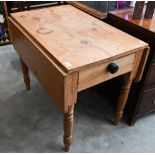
(98, 74)
(147, 103)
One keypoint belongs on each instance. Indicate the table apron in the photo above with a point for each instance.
(98, 74)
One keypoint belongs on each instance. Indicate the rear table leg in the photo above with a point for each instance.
(68, 127)
(25, 74)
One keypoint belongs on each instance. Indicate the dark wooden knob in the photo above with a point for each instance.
(113, 68)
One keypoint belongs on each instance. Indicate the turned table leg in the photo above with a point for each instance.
(68, 127)
(122, 98)
(25, 74)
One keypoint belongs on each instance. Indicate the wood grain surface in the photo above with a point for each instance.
(58, 84)
(74, 39)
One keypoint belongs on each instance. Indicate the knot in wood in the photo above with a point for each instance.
(84, 42)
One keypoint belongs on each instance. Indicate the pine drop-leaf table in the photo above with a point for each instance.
(68, 51)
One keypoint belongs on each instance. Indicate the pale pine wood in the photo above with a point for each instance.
(98, 74)
(139, 64)
(57, 83)
(123, 98)
(71, 88)
(142, 62)
(25, 74)
(68, 127)
(148, 24)
(136, 64)
(76, 38)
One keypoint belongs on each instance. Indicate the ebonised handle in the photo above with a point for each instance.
(113, 68)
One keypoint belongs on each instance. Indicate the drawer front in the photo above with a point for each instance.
(98, 74)
(147, 103)
(150, 84)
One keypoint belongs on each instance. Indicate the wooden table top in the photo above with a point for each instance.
(74, 39)
(126, 14)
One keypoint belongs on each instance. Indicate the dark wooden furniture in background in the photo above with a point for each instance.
(16, 6)
(150, 9)
(138, 9)
(142, 96)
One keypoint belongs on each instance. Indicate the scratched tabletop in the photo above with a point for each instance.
(74, 39)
